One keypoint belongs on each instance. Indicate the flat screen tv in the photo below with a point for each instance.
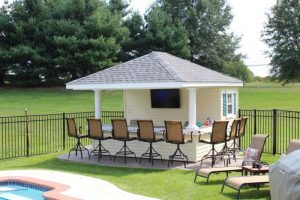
(165, 98)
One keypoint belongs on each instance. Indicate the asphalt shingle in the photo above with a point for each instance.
(155, 67)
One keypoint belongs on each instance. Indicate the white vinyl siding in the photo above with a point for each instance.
(138, 106)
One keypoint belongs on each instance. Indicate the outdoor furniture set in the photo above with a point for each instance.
(251, 164)
(172, 133)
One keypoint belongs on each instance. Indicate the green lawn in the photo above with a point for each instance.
(163, 184)
(270, 96)
(54, 100)
(59, 100)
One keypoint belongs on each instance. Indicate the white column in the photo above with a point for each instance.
(97, 104)
(192, 108)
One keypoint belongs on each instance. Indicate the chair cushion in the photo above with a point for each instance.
(237, 182)
(207, 171)
(251, 155)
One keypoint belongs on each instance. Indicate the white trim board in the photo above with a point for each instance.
(159, 85)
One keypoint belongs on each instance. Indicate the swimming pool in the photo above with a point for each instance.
(13, 190)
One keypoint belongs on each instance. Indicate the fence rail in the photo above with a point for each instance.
(22, 136)
(281, 125)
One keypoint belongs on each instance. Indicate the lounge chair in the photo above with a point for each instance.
(258, 142)
(293, 146)
(239, 182)
(75, 133)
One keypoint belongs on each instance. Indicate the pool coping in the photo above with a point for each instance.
(52, 194)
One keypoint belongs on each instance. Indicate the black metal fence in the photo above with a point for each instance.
(40, 134)
(281, 125)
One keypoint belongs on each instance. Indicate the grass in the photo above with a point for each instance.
(54, 100)
(163, 184)
(59, 100)
(270, 96)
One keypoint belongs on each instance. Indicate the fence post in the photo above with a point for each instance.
(27, 132)
(274, 131)
(64, 131)
(254, 122)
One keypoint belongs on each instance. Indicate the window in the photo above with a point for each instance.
(229, 104)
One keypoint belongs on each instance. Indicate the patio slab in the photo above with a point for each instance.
(131, 162)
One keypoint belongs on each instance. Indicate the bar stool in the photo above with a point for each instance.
(73, 132)
(120, 132)
(174, 135)
(218, 136)
(146, 133)
(95, 132)
(242, 131)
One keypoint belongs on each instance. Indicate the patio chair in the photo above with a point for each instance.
(293, 146)
(146, 134)
(239, 182)
(120, 132)
(241, 132)
(234, 135)
(174, 135)
(73, 132)
(95, 132)
(218, 136)
(258, 143)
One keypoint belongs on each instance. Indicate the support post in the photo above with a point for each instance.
(97, 104)
(254, 122)
(274, 131)
(192, 108)
(64, 130)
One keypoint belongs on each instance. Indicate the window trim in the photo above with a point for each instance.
(234, 108)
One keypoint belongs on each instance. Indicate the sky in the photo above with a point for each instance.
(248, 22)
(249, 17)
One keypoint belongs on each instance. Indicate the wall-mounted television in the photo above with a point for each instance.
(165, 98)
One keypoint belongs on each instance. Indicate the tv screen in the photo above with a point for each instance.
(165, 98)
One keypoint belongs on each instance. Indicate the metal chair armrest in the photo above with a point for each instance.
(191, 137)
(199, 136)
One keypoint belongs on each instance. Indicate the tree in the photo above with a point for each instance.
(86, 37)
(158, 33)
(119, 7)
(238, 70)
(51, 42)
(134, 46)
(207, 23)
(282, 35)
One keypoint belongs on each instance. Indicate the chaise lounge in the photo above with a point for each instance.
(239, 182)
(258, 142)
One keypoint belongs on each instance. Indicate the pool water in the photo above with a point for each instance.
(21, 191)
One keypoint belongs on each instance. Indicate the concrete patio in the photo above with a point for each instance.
(131, 162)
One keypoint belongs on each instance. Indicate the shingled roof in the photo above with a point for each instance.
(153, 68)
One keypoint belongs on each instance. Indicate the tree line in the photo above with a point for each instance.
(50, 42)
